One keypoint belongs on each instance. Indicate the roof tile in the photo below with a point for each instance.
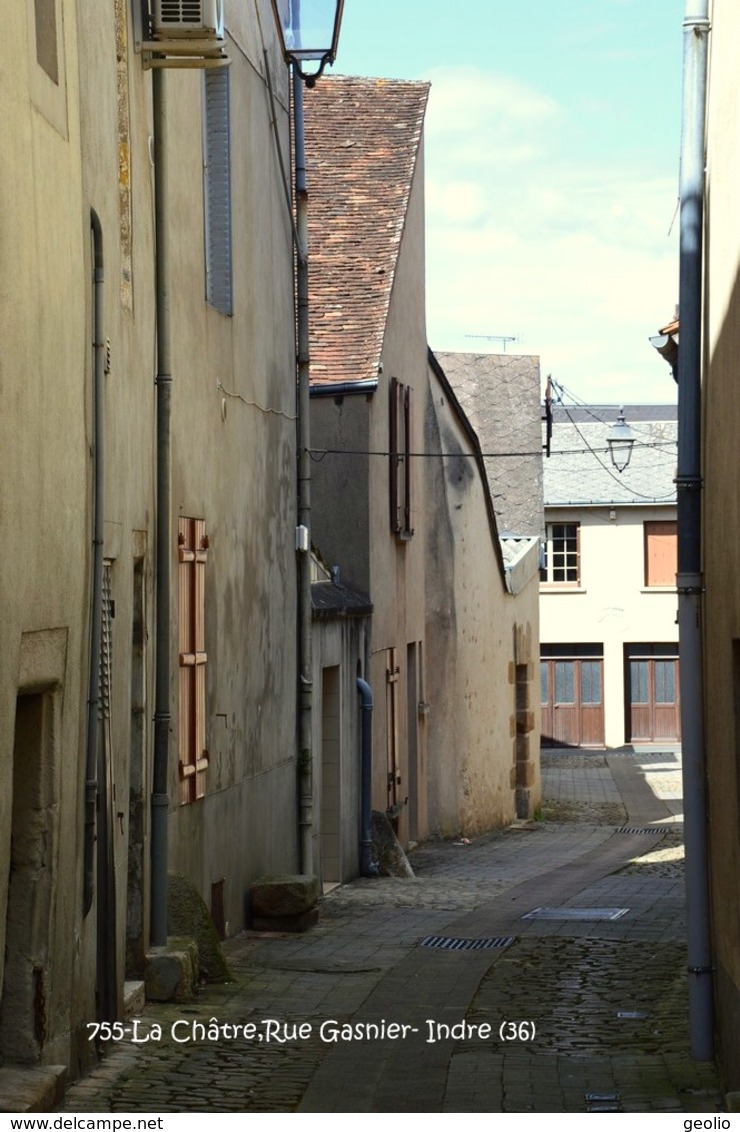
(362, 143)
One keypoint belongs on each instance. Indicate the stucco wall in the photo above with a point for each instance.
(482, 751)
(611, 605)
(43, 599)
(351, 525)
(722, 522)
(78, 145)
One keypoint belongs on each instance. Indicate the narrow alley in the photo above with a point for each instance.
(540, 968)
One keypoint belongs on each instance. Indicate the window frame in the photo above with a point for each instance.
(548, 568)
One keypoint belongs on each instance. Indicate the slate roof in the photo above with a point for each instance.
(580, 472)
(362, 144)
(331, 599)
(500, 394)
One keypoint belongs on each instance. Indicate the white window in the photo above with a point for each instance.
(562, 555)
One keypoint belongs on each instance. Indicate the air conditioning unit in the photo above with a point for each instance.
(202, 19)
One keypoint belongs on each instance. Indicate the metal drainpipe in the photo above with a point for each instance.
(368, 866)
(160, 798)
(689, 488)
(93, 697)
(305, 660)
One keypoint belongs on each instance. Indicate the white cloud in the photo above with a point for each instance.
(525, 236)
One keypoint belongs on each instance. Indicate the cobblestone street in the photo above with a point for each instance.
(582, 915)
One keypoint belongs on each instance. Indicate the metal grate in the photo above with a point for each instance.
(576, 914)
(456, 943)
(637, 829)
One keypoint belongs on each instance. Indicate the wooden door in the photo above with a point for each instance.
(653, 699)
(572, 702)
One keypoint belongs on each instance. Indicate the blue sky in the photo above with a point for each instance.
(551, 160)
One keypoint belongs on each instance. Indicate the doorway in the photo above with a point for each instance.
(653, 702)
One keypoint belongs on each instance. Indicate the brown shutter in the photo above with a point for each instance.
(192, 554)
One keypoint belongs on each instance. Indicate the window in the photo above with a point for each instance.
(661, 552)
(217, 189)
(193, 757)
(562, 556)
(400, 415)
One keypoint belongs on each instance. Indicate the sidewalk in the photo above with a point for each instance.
(579, 1007)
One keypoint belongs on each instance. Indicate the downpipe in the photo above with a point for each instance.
(96, 622)
(368, 865)
(689, 579)
(305, 643)
(160, 779)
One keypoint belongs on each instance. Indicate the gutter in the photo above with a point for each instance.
(343, 388)
(689, 488)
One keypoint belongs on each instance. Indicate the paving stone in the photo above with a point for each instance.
(362, 963)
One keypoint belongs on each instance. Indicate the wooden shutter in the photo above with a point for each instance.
(217, 189)
(661, 549)
(192, 555)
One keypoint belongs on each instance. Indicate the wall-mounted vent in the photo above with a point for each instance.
(201, 18)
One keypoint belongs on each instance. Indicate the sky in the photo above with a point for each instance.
(551, 176)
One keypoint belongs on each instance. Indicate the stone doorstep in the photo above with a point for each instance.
(34, 1089)
(134, 997)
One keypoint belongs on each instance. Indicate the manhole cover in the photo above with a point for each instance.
(576, 914)
(455, 943)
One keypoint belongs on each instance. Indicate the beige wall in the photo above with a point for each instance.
(351, 527)
(233, 465)
(43, 597)
(611, 606)
(721, 524)
(483, 754)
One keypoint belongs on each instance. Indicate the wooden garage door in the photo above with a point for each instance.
(653, 694)
(572, 701)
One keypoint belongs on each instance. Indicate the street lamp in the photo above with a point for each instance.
(620, 441)
(309, 31)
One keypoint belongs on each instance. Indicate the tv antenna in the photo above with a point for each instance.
(502, 338)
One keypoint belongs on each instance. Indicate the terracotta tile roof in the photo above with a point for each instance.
(362, 144)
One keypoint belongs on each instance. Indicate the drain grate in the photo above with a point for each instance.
(637, 829)
(456, 943)
(576, 914)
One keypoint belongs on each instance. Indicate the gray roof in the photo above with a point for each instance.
(579, 470)
(332, 599)
(500, 395)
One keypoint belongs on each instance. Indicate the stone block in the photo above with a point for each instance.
(134, 997)
(26, 1089)
(300, 923)
(171, 972)
(279, 896)
(387, 850)
(188, 916)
